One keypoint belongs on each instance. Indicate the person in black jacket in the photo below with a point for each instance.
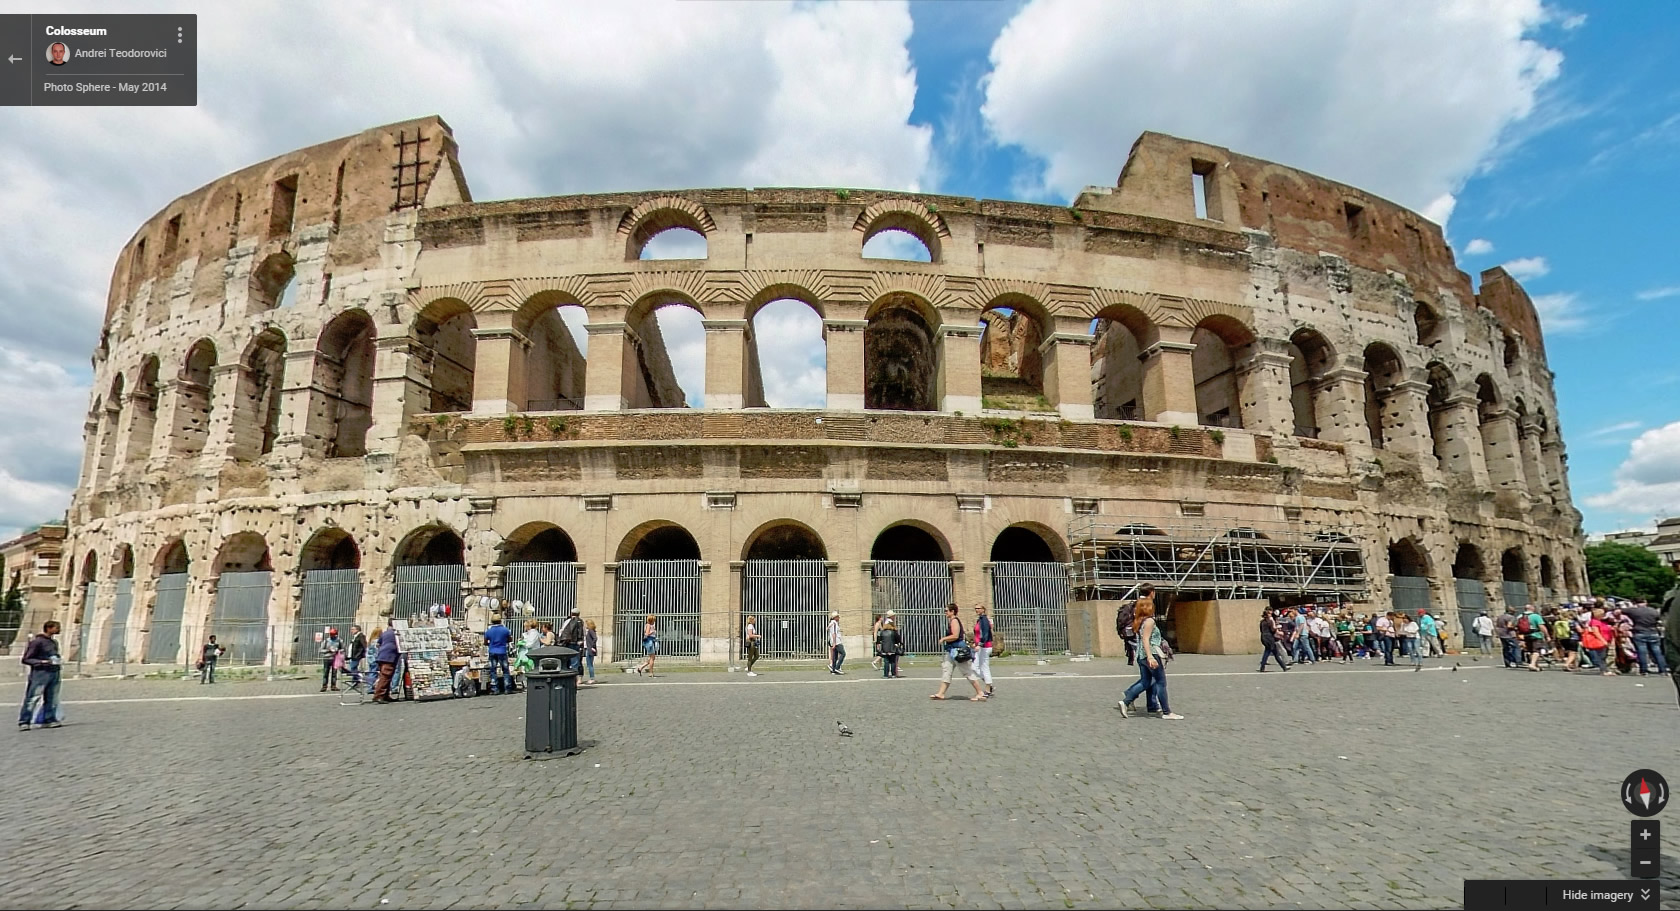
(1270, 647)
(571, 636)
(889, 645)
(42, 658)
(358, 653)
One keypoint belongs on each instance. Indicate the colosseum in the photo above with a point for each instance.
(333, 386)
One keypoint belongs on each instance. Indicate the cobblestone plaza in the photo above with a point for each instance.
(1329, 786)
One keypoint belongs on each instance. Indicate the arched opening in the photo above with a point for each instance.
(1510, 350)
(169, 602)
(1029, 576)
(1310, 361)
(193, 392)
(244, 582)
(331, 594)
(1219, 341)
(668, 342)
(1384, 417)
(1571, 582)
(908, 541)
(1548, 578)
(540, 579)
(173, 558)
(86, 602)
(342, 398)
(430, 570)
(785, 540)
(244, 551)
(897, 243)
(1426, 324)
(901, 362)
(556, 364)
(434, 545)
(123, 567)
(257, 416)
(112, 424)
(1406, 558)
(1513, 574)
(143, 423)
(1469, 576)
(1408, 576)
(539, 542)
(1027, 544)
(1467, 563)
(912, 578)
(1116, 364)
(786, 356)
(896, 230)
(658, 575)
(448, 354)
(1011, 367)
(272, 283)
(659, 541)
(674, 243)
(115, 640)
(330, 549)
(1442, 388)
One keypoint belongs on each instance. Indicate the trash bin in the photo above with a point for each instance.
(551, 703)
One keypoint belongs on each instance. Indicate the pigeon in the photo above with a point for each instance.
(844, 731)
(1455, 665)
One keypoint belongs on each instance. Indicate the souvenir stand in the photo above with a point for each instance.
(425, 655)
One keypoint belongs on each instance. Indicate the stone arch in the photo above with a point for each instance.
(659, 539)
(1571, 582)
(556, 365)
(330, 548)
(1384, 413)
(112, 422)
(243, 552)
(256, 414)
(906, 215)
(652, 382)
(1408, 557)
(172, 557)
(122, 562)
(448, 353)
(1548, 575)
(1443, 390)
(1427, 327)
(538, 542)
(1510, 351)
(784, 539)
(143, 423)
(795, 372)
(901, 354)
(89, 577)
(1122, 331)
(654, 216)
(1028, 542)
(273, 283)
(1311, 358)
(1221, 341)
(194, 395)
(1468, 563)
(435, 544)
(341, 396)
(910, 539)
(1011, 365)
(1513, 565)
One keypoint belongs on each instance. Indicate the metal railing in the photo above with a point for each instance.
(1219, 557)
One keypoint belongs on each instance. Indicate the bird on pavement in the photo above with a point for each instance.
(844, 731)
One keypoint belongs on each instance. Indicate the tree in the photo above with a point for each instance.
(11, 611)
(1627, 571)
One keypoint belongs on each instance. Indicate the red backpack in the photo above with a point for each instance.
(1523, 626)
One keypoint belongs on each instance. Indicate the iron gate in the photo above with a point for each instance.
(789, 599)
(1472, 600)
(90, 597)
(550, 590)
(164, 644)
(668, 589)
(1029, 606)
(917, 590)
(1410, 594)
(420, 587)
(241, 619)
(1515, 594)
(330, 599)
(116, 635)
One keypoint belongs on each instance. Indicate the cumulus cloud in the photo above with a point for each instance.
(1648, 481)
(612, 97)
(1478, 247)
(792, 356)
(41, 448)
(1527, 267)
(1404, 103)
(1561, 312)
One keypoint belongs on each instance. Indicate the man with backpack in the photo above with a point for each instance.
(1270, 648)
(571, 636)
(1123, 626)
(1506, 626)
(1532, 627)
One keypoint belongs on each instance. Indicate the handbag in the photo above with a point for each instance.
(338, 661)
(961, 651)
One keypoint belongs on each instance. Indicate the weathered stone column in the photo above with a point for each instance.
(1067, 374)
(399, 388)
(1534, 470)
(1263, 388)
(610, 355)
(1169, 383)
(1461, 443)
(1339, 400)
(844, 340)
(959, 368)
(229, 431)
(1405, 418)
(499, 365)
(90, 449)
(1557, 469)
(1501, 453)
(298, 405)
(726, 360)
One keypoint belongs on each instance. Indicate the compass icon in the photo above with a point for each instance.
(1644, 793)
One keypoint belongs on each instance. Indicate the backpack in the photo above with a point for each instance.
(1123, 619)
(1523, 625)
(1560, 629)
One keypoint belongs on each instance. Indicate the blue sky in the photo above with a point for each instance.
(1545, 136)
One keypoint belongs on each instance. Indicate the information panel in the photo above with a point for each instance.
(117, 59)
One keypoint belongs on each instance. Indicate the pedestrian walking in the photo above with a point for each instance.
(889, 644)
(1533, 629)
(958, 654)
(385, 656)
(1482, 626)
(1123, 626)
(1647, 638)
(1411, 631)
(874, 635)
(1506, 629)
(591, 648)
(751, 637)
(1596, 638)
(650, 645)
(1302, 637)
(1626, 654)
(836, 645)
(1564, 639)
(984, 641)
(332, 659)
(207, 658)
(40, 694)
(1385, 637)
(1270, 648)
(1430, 633)
(358, 653)
(498, 637)
(1152, 657)
(571, 636)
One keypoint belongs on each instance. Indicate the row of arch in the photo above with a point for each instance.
(1408, 557)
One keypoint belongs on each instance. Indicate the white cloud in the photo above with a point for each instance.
(685, 345)
(1614, 429)
(1560, 313)
(792, 357)
(1657, 294)
(895, 244)
(1478, 247)
(1572, 22)
(1648, 481)
(41, 448)
(1440, 209)
(1404, 103)
(675, 243)
(1527, 267)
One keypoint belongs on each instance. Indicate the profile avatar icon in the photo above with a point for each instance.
(58, 53)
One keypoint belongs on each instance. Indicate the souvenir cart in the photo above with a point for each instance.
(425, 655)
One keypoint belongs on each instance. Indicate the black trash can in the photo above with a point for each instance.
(551, 703)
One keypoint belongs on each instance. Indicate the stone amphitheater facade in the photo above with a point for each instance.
(335, 359)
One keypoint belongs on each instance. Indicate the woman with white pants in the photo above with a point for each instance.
(983, 642)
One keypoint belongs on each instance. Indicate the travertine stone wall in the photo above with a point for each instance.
(340, 342)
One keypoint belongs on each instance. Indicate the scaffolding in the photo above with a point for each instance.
(1213, 558)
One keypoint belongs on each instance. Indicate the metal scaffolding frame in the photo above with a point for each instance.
(1216, 558)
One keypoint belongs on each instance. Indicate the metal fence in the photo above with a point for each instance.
(669, 589)
(90, 597)
(789, 600)
(918, 591)
(420, 587)
(240, 621)
(1029, 606)
(164, 645)
(1471, 596)
(550, 590)
(329, 600)
(1515, 593)
(115, 647)
(1409, 594)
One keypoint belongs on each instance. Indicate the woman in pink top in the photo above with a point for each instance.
(1596, 638)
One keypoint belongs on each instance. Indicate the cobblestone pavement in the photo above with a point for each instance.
(1329, 786)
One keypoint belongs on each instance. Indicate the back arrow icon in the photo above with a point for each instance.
(12, 58)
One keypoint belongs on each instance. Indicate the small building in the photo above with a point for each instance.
(32, 562)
